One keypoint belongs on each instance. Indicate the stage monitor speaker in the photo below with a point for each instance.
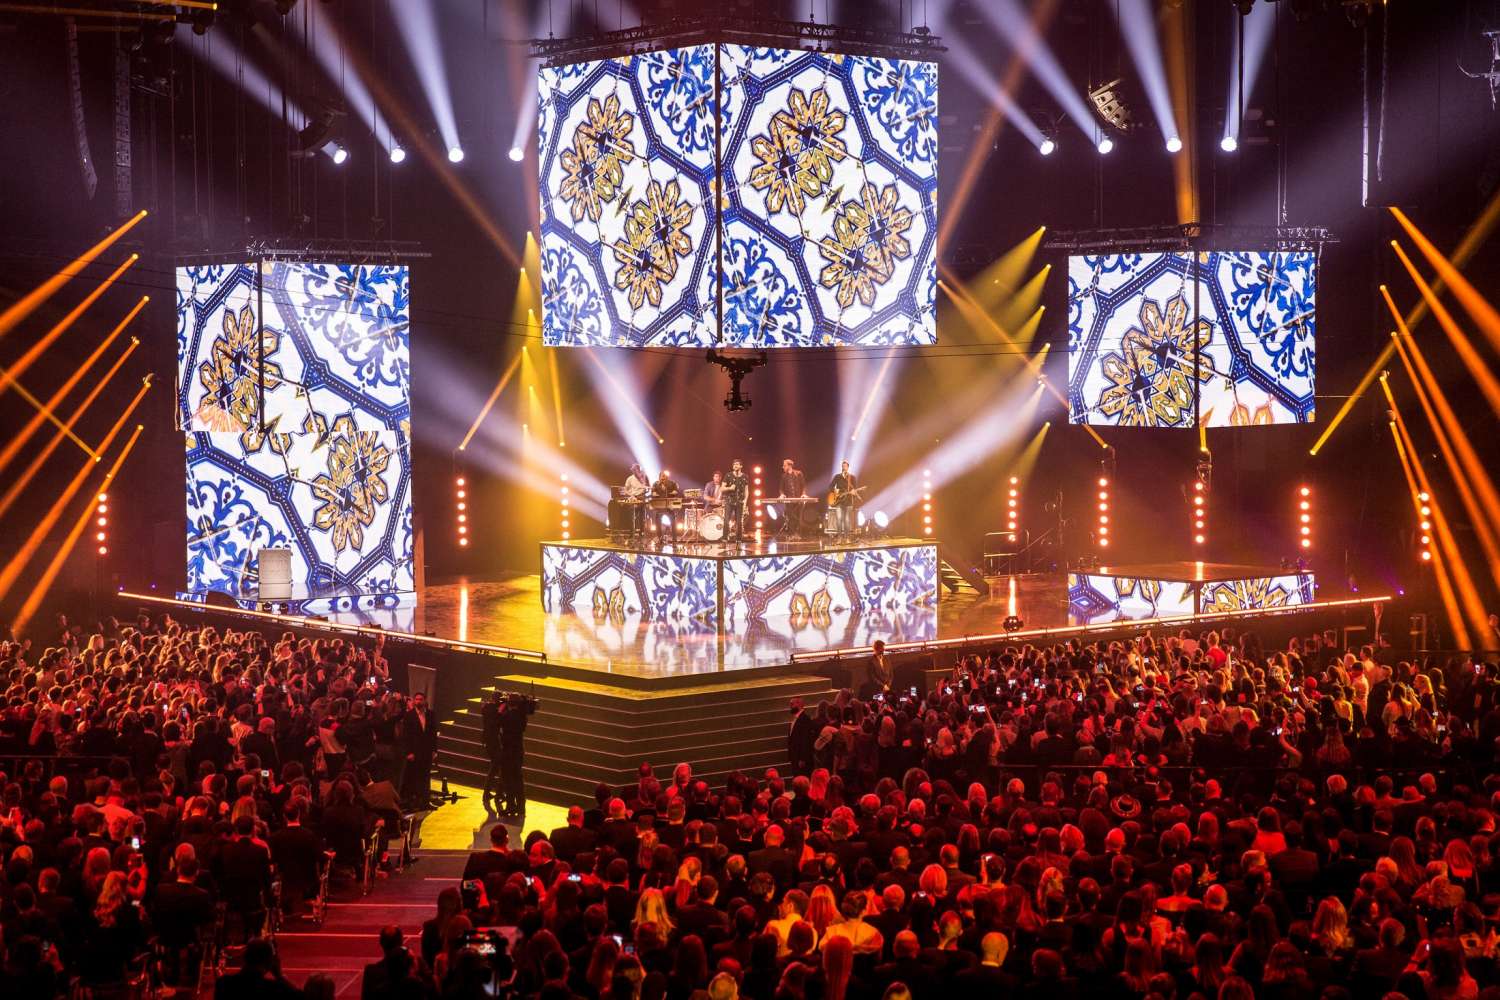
(274, 568)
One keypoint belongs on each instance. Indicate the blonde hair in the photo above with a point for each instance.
(111, 898)
(652, 908)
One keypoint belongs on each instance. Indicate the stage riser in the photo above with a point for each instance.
(567, 747)
(583, 734)
(666, 711)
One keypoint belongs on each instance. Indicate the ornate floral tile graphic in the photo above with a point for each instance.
(819, 588)
(1096, 598)
(823, 231)
(1167, 339)
(298, 425)
(613, 587)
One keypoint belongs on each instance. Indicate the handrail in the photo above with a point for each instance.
(1070, 631)
(326, 624)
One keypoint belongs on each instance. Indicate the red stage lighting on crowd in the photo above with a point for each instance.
(1102, 533)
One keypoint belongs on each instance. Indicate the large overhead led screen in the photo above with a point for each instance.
(825, 225)
(1171, 340)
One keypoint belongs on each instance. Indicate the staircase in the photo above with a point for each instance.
(584, 732)
(958, 573)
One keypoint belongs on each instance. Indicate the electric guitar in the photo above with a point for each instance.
(836, 496)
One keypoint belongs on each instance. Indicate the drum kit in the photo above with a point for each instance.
(701, 519)
(692, 516)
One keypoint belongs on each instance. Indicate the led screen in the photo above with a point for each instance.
(816, 588)
(293, 391)
(1164, 340)
(1099, 598)
(825, 227)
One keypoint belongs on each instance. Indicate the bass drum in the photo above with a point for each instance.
(711, 527)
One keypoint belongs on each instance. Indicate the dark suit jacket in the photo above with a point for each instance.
(179, 910)
(570, 841)
(982, 982)
(243, 872)
(482, 864)
(776, 861)
(704, 920)
(297, 852)
(418, 741)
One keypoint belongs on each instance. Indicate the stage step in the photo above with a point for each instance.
(586, 732)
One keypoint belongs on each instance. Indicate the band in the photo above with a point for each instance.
(717, 511)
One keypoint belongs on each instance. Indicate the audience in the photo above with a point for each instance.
(1189, 816)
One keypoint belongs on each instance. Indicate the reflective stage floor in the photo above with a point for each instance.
(509, 613)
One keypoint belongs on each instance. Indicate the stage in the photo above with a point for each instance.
(695, 610)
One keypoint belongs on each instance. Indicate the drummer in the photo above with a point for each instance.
(713, 491)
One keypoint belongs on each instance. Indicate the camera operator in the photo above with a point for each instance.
(512, 721)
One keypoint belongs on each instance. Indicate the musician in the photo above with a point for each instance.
(713, 490)
(793, 484)
(665, 488)
(637, 485)
(736, 492)
(842, 506)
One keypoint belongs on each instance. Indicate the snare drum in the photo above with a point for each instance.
(711, 527)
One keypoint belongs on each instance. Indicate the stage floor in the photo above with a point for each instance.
(507, 616)
(509, 612)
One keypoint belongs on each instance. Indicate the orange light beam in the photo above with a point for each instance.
(18, 442)
(1178, 56)
(1488, 384)
(1445, 588)
(17, 563)
(1482, 312)
(966, 302)
(34, 298)
(624, 395)
(1447, 428)
(25, 361)
(24, 479)
(44, 582)
(46, 414)
(1467, 247)
(562, 439)
(489, 404)
(1468, 596)
(1482, 528)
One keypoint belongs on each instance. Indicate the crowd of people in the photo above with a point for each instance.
(1189, 816)
(157, 781)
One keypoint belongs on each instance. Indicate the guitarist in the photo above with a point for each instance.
(841, 498)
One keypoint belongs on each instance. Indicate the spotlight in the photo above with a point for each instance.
(398, 155)
(1012, 623)
(1229, 144)
(1047, 147)
(1174, 145)
(1105, 145)
(1245, 7)
(340, 155)
(284, 7)
(882, 520)
(517, 154)
(455, 154)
